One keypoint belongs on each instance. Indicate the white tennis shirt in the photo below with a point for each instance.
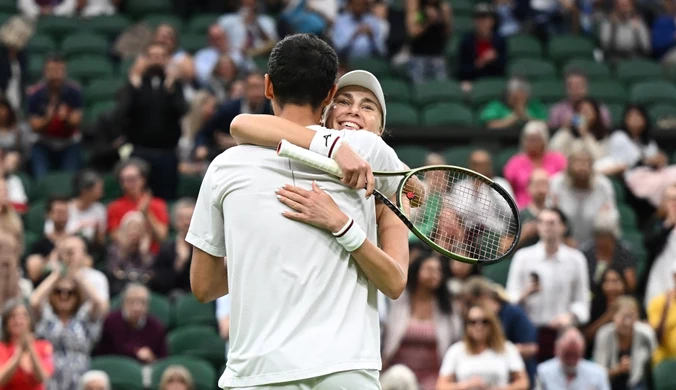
(301, 308)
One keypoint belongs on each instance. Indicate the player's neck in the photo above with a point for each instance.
(302, 115)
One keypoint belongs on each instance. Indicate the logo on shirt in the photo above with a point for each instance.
(326, 140)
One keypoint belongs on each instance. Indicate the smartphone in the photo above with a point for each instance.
(578, 120)
(535, 278)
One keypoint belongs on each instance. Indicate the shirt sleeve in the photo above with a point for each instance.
(451, 358)
(514, 359)
(580, 305)
(223, 306)
(207, 227)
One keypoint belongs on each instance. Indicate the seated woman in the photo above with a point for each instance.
(517, 108)
(612, 286)
(25, 363)
(176, 378)
(483, 359)
(587, 130)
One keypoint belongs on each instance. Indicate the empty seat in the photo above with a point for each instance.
(563, 48)
(174, 21)
(103, 90)
(139, 9)
(198, 341)
(84, 44)
(549, 91)
(609, 91)
(202, 372)
(402, 114)
(199, 24)
(55, 183)
(436, 92)
(188, 311)
(651, 92)
(107, 25)
(487, 89)
(88, 68)
(377, 66)
(532, 69)
(524, 46)
(41, 44)
(637, 70)
(447, 114)
(193, 42)
(396, 90)
(592, 69)
(124, 372)
(57, 26)
(411, 155)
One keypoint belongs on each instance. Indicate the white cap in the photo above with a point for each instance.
(364, 79)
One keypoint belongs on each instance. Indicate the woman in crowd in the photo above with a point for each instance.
(25, 363)
(10, 132)
(70, 314)
(612, 286)
(10, 221)
(587, 130)
(625, 346)
(483, 359)
(176, 378)
(12, 285)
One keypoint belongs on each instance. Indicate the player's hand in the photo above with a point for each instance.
(315, 207)
(356, 171)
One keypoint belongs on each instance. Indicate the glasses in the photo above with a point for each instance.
(64, 292)
(477, 321)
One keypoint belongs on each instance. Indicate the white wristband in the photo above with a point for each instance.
(326, 142)
(351, 236)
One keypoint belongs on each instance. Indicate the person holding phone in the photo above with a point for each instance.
(587, 130)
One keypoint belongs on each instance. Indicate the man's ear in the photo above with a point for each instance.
(269, 90)
(330, 95)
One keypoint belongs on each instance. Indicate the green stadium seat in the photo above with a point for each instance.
(202, 372)
(564, 47)
(628, 219)
(532, 69)
(34, 219)
(663, 115)
(138, 9)
(459, 155)
(411, 155)
(379, 68)
(637, 70)
(501, 158)
(155, 20)
(462, 24)
(663, 375)
(41, 44)
(55, 184)
(548, 91)
(95, 110)
(401, 114)
(87, 68)
(609, 91)
(524, 46)
(8, 6)
(447, 114)
(618, 187)
(158, 306)
(28, 184)
(594, 70)
(124, 372)
(396, 90)
(462, 7)
(616, 113)
(193, 42)
(635, 240)
(125, 66)
(103, 90)
(198, 341)
(436, 92)
(652, 92)
(111, 188)
(29, 239)
(84, 44)
(199, 24)
(188, 311)
(57, 26)
(497, 272)
(107, 25)
(451, 49)
(487, 89)
(261, 63)
(189, 186)
(35, 67)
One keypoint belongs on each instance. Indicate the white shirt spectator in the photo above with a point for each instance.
(625, 151)
(298, 310)
(98, 8)
(362, 46)
(491, 366)
(84, 222)
(31, 9)
(239, 32)
(564, 283)
(589, 375)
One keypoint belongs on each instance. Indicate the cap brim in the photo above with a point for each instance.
(364, 79)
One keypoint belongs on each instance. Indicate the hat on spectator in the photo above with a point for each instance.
(364, 79)
(16, 32)
(483, 9)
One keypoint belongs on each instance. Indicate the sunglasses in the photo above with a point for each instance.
(482, 321)
(65, 292)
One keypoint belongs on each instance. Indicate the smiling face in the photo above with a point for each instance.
(355, 108)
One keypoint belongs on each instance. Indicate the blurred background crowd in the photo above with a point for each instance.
(110, 111)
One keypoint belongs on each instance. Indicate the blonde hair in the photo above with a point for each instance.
(195, 118)
(625, 302)
(496, 338)
(176, 370)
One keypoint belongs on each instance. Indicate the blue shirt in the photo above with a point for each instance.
(590, 376)
(363, 45)
(519, 330)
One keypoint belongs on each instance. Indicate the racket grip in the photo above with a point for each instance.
(309, 158)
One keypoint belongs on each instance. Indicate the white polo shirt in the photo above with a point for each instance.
(301, 308)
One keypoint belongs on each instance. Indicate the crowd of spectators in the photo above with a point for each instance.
(583, 303)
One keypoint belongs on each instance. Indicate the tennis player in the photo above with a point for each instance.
(304, 312)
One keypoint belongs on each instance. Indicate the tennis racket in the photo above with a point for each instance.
(457, 212)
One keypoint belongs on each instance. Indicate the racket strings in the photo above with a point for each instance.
(463, 214)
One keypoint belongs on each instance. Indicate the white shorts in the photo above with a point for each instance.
(346, 380)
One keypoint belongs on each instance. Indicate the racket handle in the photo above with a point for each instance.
(311, 159)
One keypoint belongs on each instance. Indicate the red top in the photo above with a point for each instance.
(482, 46)
(118, 208)
(23, 378)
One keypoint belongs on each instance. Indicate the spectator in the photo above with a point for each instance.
(86, 215)
(568, 370)
(664, 34)
(12, 285)
(129, 258)
(153, 105)
(612, 286)
(550, 281)
(214, 137)
(14, 36)
(586, 130)
(307, 17)
(222, 77)
(623, 33)
(179, 61)
(172, 264)
(562, 113)
(10, 221)
(132, 331)
(538, 189)
(72, 253)
(91, 8)
(581, 194)
(660, 238)
(662, 317)
(25, 363)
(480, 161)
(207, 59)
(94, 380)
(429, 25)
(16, 193)
(515, 324)
(510, 15)
(35, 8)
(358, 32)
(132, 175)
(483, 359)
(223, 309)
(251, 33)
(54, 114)
(421, 324)
(481, 53)
(460, 274)
(202, 108)
(625, 346)
(534, 155)
(70, 313)
(552, 17)
(176, 378)
(516, 109)
(11, 137)
(606, 250)
(44, 250)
